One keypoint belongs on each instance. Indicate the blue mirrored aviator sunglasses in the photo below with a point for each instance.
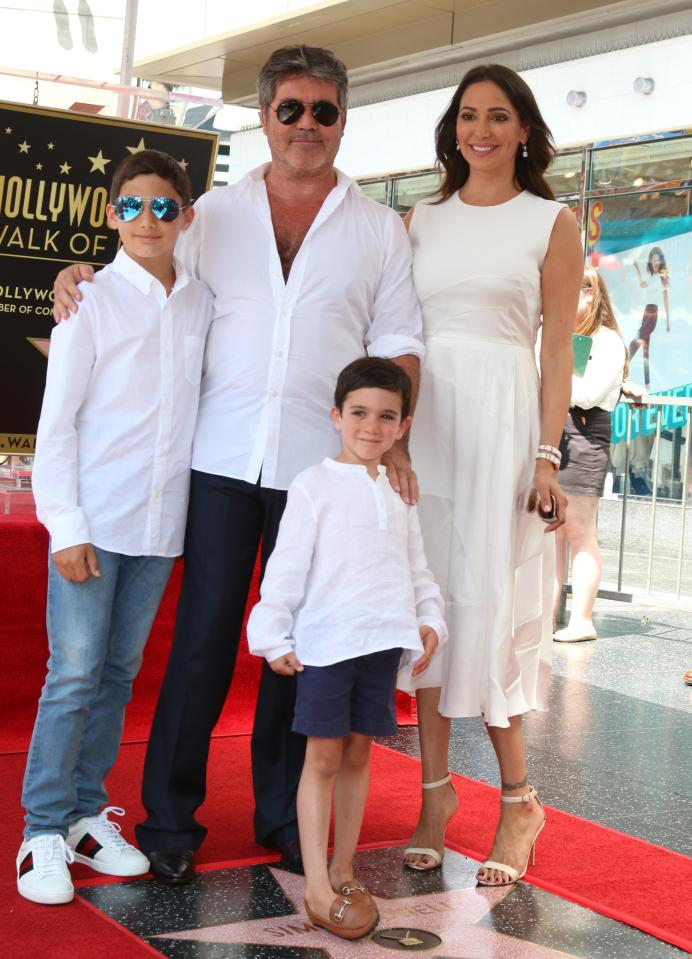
(163, 207)
(290, 111)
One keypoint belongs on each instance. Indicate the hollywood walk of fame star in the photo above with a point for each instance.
(452, 915)
(65, 167)
(98, 163)
(140, 146)
(24, 147)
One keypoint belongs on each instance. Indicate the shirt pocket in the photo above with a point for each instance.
(194, 354)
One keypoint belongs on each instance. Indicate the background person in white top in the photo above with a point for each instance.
(110, 479)
(346, 589)
(585, 449)
(308, 274)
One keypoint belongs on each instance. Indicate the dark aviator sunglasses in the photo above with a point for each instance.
(289, 111)
(164, 208)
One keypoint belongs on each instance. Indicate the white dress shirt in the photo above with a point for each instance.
(114, 440)
(348, 574)
(276, 348)
(604, 373)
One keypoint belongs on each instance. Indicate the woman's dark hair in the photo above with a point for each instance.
(374, 372)
(528, 171)
(151, 161)
(656, 251)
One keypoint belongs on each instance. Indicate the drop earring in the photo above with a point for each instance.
(457, 146)
(524, 151)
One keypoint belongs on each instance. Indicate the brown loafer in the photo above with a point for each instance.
(354, 888)
(350, 917)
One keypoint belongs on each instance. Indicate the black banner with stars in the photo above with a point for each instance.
(55, 173)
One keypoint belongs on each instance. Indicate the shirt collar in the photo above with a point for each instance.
(141, 279)
(350, 467)
(343, 182)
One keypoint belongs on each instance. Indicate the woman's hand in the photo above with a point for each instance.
(545, 485)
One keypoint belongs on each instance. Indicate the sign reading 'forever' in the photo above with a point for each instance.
(55, 173)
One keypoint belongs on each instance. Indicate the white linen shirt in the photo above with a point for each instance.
(604, 373)
(348, 574)
(276, 348)
(114, 441)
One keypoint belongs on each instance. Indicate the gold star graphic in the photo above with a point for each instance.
(65, 167)
(183, 164)
(140, 146)
(41, 344)
(50, 146)
(39, 166)
(24, 147)
(8, 129)
(98, 163)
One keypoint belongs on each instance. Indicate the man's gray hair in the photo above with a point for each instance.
(302, 61)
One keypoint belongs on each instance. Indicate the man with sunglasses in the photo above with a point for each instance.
(308, 274)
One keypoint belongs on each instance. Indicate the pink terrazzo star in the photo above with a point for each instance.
(451, 915)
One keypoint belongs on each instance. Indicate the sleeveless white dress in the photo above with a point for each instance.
(477, 272)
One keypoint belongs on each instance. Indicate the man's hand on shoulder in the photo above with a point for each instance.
(66, 295)
(400, 473)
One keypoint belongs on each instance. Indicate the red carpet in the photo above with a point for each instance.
(23, 550)
(576, 859)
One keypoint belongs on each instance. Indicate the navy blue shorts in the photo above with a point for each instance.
(354, 696)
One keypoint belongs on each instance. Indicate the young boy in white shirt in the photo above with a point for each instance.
(346, 590)
(110, 481)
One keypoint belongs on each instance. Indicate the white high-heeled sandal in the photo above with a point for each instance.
(433, 854)
(513, 873)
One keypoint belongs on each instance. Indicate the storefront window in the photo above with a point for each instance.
(565, 175)
(657, 161)
(375, 189)
(408, 190)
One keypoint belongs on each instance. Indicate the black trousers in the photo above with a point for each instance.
(227, 518)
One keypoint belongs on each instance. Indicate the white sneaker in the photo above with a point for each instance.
(97, 842)
(42, 873)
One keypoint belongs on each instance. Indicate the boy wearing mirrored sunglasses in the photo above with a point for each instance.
(110, 480)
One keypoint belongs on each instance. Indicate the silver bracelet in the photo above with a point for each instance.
(544, 455)
(550, 449)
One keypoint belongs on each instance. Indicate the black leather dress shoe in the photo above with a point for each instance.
(290, 855)
(174, 866)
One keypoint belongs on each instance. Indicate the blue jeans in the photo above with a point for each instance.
(96, 636)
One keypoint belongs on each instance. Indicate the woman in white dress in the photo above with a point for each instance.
(492, 253)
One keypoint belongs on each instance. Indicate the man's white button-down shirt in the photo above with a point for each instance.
(276, 348)
(348, 575)
(114, 441)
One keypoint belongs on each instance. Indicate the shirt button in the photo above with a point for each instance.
(280, 353)
(274, 393)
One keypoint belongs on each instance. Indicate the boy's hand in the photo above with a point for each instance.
(77, 563)
(66, 293)
(286, 665)
(429, 639)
